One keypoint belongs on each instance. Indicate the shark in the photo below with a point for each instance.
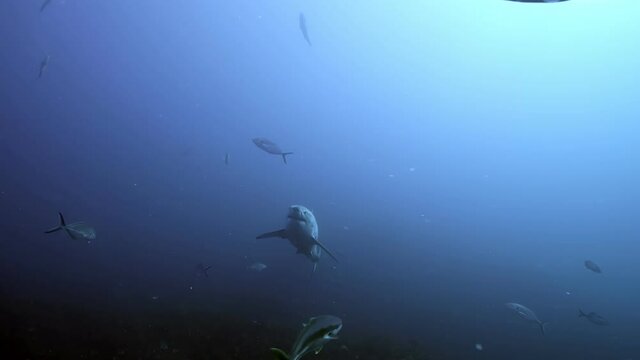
(302, 232)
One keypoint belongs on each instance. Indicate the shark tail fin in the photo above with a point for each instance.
(581, 313)
(274, 234)
(59, 227)
(543, 325)
(326, 250)
(284, 156)
(279, 354)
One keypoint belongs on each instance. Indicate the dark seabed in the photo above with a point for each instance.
(454, 157)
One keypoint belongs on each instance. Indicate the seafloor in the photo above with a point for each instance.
(52, 330)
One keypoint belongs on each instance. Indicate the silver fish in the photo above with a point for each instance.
(76, 231)
(202, 270)
(592, 266)
(270, 147)
(314, 335)
(302, 233)
(302, 22)
(258, 267)
(527, 314)
(594, 318)
(43, 65)
(44, 5)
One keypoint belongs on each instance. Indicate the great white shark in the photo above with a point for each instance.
(302, 233)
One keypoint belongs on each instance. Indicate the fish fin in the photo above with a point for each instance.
(62, 223)
(326, 250)
(279, 354)
(284, 156)
(59, 227)
(315, 266)
(53, 230)
(580, 313)
(318, 350)
(542, 326)
(278, 233)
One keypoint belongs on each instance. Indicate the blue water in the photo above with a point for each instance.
(458, 155)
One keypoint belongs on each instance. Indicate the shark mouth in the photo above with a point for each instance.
(297, 217)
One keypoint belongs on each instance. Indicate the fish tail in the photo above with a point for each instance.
(284, 156)
(62, 223)
(59, 227)
(279, 354)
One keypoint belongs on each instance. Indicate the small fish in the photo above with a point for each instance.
(202, 270)
(526, 314)
(302, 22)
(316, 332)
(302, 233)
(257, 267)
(43, 65)
(226, 158)
(592, 266)
(44, 5)
(76, 231)
(594, 318)
(270, 147)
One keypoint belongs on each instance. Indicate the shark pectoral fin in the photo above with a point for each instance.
(279, 354)
(278, 233)
(326, 250)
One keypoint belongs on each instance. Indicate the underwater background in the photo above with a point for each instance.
(458, 155)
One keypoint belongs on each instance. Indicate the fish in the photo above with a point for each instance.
(593, 318)
(226, 158)
(270, 147)
(592, 266)
(257, 267)
(202, 270)
(44, 5)
(43, 65)
(302, 233)
(527, 314)
(316, 333)
(302, 22)
(538, 1)
(76, 231)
